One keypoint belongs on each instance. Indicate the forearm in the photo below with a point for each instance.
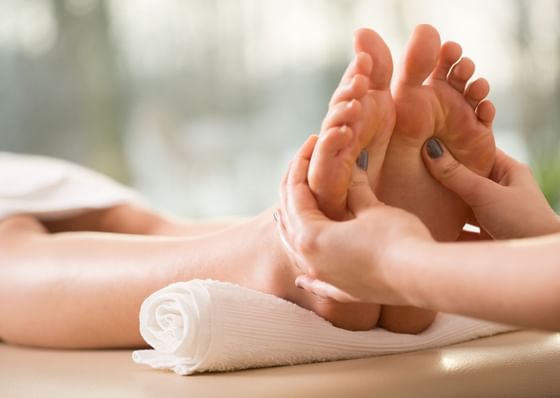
(84, 290)
(515, 282)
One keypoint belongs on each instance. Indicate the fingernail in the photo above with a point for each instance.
(350, 104)
(298, 285)
(362, 160)
(343, 129)
(434, 148)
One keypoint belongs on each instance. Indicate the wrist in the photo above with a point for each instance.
(409, 266)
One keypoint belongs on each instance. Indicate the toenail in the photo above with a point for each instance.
(435, 150)
(362, 160)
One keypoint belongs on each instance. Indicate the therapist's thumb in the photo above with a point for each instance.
(468, 185)
(360, 194)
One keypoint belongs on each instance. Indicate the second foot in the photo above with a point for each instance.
(433, 98)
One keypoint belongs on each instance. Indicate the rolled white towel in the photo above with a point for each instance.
(206, 325)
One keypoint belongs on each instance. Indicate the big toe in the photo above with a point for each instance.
(368, 41)
(421, 55)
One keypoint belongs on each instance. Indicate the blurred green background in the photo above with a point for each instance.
(200, 103)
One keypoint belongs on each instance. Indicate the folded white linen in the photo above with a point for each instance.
(207, 325)
(52, 188)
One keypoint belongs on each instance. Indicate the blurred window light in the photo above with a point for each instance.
(218, 94)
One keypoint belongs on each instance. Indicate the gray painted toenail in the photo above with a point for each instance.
(434, 148)
(362, 160)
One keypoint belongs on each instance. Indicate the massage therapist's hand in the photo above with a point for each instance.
(354, 260)
(507, 205)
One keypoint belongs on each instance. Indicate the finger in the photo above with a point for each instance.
(283, 189)
(472, 188)
(300, 207)
(508, 170)
(360, 194)
(303, 153)
(324, 289)
(300, 164)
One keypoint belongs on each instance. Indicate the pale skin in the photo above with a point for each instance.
(125, 261)
(391, 257)
(432, 97)
(63, 286)
(78, 282)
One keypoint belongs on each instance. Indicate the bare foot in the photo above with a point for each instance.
(433, 99)
(361, 113)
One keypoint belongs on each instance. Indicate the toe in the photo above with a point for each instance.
(448, 56)
(421, 55)
(334, 140)
(460, 73)
(327, 172)
(345, 112)
(477, 91)
(369, 42)
(361, 64)
(486, 112)
(356, 88)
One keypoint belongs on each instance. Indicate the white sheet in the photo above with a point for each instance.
(51, 188)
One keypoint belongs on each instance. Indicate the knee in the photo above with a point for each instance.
(17, 229)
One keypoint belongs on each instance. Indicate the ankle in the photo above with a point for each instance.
(274, 271)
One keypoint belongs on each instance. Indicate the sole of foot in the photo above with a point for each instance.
(361, 116)
(433, 97)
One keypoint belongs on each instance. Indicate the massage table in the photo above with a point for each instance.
(517, 364)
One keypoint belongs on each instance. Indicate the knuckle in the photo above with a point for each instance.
(449, 170)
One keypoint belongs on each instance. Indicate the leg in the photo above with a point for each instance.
(84, 289)
(130, 219)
